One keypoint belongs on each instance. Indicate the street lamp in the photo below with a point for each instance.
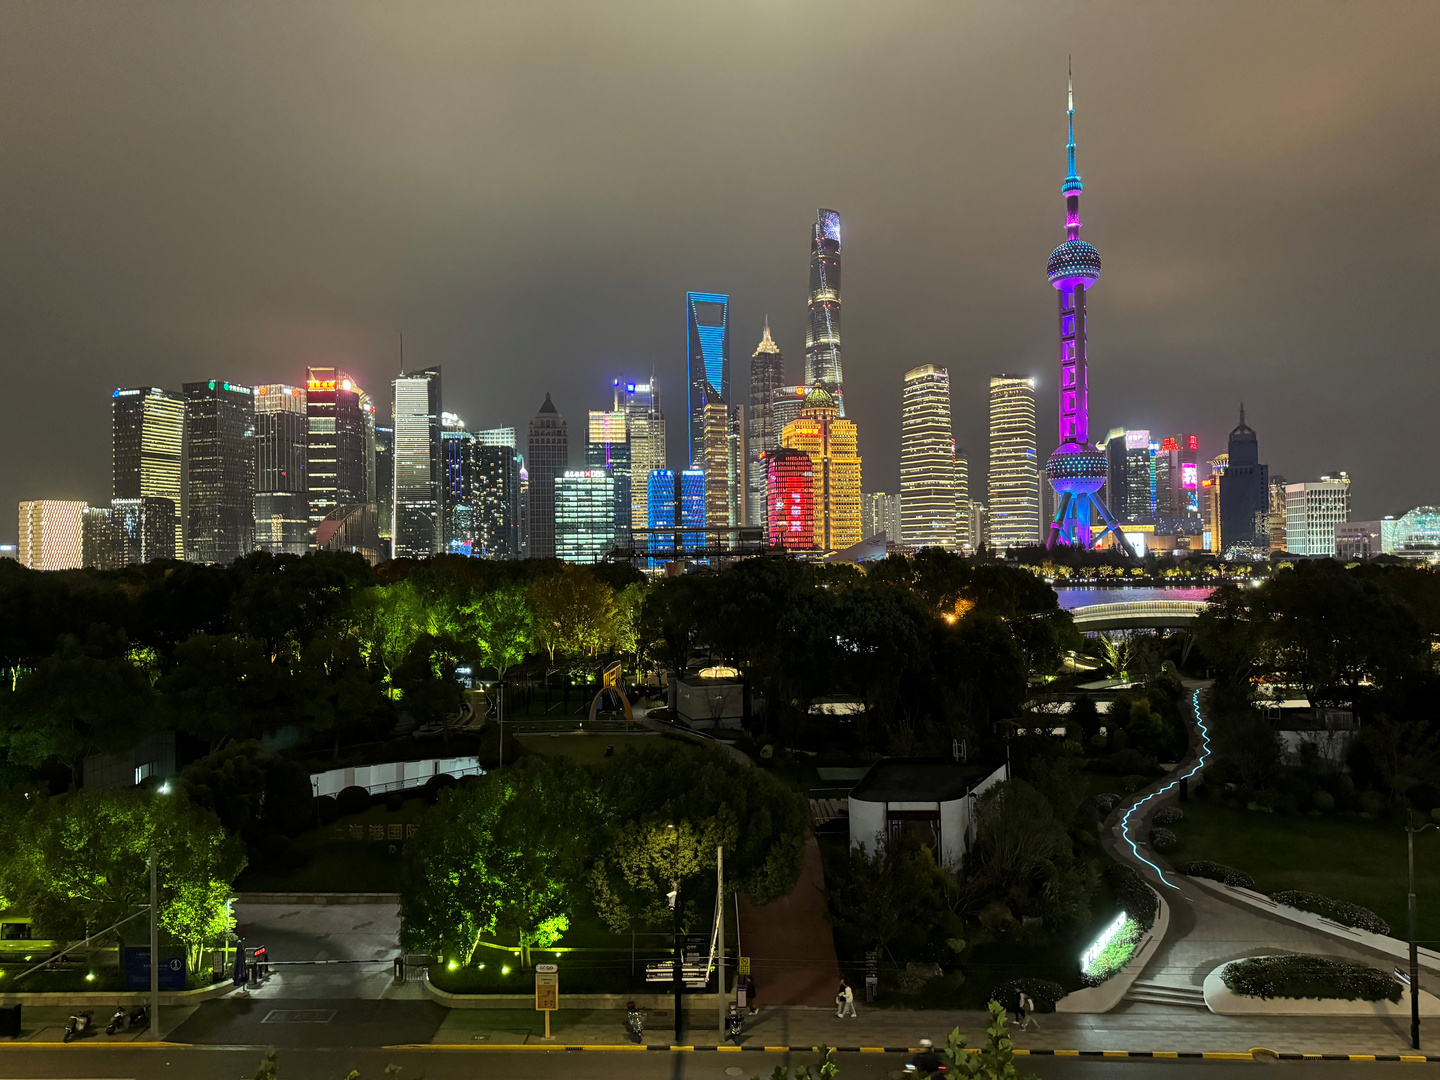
(1410, 832)
(679, 963)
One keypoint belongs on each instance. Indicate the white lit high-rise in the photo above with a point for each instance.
(929, 499)
(1014, 497)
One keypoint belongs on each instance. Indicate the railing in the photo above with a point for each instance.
(1138, 609)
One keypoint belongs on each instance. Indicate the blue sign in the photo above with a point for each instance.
(137, 969)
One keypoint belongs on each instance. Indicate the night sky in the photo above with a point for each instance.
(527, 190)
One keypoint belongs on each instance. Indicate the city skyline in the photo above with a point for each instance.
(265, 297)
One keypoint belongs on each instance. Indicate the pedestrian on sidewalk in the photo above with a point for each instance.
(750, 995)
(1027, 1013)
(845, 1001)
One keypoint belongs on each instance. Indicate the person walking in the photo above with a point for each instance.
(1027, 1012)
(845, 1001)
(750, 995)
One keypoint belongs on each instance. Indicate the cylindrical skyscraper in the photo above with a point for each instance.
(822, 337)
(1076, 470)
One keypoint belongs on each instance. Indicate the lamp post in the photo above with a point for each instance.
(154, 950)
(676, 969)
(1410, 832)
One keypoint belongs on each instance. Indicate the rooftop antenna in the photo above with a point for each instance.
(402, 352)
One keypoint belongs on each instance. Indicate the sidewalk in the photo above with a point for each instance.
(1132, 1027)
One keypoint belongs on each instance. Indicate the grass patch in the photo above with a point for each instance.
(588, 748)
(1339, 856)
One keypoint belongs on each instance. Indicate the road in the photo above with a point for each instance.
(87, 1063)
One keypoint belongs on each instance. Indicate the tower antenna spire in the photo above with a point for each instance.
(1072, 183)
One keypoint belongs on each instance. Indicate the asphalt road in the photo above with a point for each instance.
(193, 1063)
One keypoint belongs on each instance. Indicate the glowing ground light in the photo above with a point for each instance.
(1090, 955)
(1204, 756)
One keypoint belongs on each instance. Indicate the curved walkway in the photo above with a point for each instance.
(1207, 928)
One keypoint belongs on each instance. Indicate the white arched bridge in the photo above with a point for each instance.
(1137, 615)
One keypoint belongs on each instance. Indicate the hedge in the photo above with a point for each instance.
(1309, 977)
(1106, 802)
(1136, 898)
(1340, 911)
(1044, 992)
(1163, 839)
(1168, 815)
(1226, 875)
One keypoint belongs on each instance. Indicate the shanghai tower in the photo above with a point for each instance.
(822, 335)
(1076, 470)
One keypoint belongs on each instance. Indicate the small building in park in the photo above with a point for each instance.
(713, 697)
(932, 799)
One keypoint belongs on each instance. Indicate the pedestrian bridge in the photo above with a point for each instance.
(1137, 615)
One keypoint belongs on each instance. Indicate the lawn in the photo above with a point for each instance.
(1341, 856)
(588, 748)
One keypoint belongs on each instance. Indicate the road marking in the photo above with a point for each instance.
(299, 1016)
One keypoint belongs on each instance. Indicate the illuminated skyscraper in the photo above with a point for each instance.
(547, 456)
(497, 493)
(707, 337)
(385, 481)
(148, 438)
(338, 472)
(458, 484)
(219, 471)
(608, 447)
(1312, 511)
(1177, 477)
(585, 530)
(767, 377)
(98, 543)
(645, 431)
(674, 503)
(282, 506)
(786, 406)
(418, 530)
(714, 460)
(879, 513)
(790, 487)
(1014, 498)
(929, 500)
(52, 535)
(822, 335)
(1076, 470)
(145, 529)
(832, 444)
(1130, 471)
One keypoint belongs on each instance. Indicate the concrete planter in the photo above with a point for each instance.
(1222, 1001)
(66, 999)
(650, 1002)
(1103, 998)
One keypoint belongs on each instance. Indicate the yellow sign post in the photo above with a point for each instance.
(547, 991)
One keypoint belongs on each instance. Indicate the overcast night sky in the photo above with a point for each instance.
(527, 190)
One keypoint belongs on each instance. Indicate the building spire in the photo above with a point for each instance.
(1072, 185)
(767, 343)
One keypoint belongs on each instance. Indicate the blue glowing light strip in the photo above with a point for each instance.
(1204, 756)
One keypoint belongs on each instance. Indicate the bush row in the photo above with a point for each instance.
(1340, 911)
(1309, 977)
(1226, 875)
(1044, 992)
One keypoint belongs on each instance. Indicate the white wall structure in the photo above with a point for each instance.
(935, 797)
(393, 776)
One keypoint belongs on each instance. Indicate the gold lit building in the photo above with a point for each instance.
(833, 446)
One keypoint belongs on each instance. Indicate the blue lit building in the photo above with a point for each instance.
(707, 337)
(676, 503)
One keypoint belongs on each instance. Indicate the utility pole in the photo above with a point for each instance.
(720, 953)
(679, 975)
(1410, 832)
(154, 950)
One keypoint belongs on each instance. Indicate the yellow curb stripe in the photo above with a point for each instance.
(731, 1049)
(1362, 1057)
(872, 1049)
(1413, 1057)
(1215, 1055)
(1164, 1054)
(1115, 1053)
(1067, 1053)
(1021, 1052)
(631, 1047)
(777, 1049)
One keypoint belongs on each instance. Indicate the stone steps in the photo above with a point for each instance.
(1152, 993)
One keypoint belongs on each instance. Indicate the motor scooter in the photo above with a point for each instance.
(734, 1024)
(117, 1021)
(76, 1026)
(927, 1062)
(635, 1021)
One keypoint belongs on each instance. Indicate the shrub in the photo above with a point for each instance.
(1133, 783)
(1323, 800)
(1226, 875)
(352, 800)
(1296, 976)
(1107, 802)
(1168, 815)
(394, 801)
(325, 809)
(1163, 839)
(1044, 992)
(1136, 898)
(1340, 911)
(436, 784)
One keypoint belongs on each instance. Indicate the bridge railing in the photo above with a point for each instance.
(1138, 609)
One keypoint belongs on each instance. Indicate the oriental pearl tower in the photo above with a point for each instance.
(1076, 470)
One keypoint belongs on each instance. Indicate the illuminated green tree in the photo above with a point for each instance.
(504, 626)
(501, 857)
(81, 862)
(574, 613)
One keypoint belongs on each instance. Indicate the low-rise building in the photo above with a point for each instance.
(932, 799)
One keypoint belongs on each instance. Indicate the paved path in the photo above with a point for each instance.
(791, 948)
(365, 937)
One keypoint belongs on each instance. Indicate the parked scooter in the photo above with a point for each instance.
(734, 1024)
(117, 1020)
(635, 1021)
(77, 1025)
(139, 1017)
